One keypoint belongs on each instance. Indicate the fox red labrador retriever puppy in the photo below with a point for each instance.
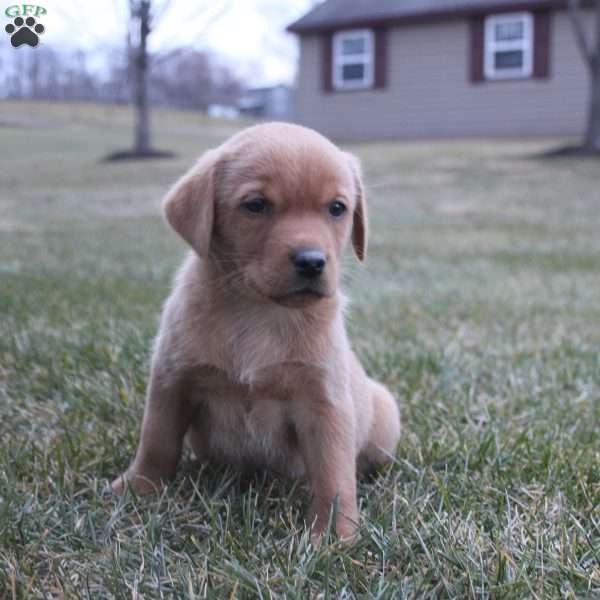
(252, 365)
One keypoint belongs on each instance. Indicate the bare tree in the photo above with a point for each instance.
(142, 23)
(192, 79)
(138, 60)
(590, 50)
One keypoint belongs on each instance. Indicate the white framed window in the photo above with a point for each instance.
(508, 46)
(353, 58)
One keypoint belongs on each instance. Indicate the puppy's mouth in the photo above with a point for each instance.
(301, 295)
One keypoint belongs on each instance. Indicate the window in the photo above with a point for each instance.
(508, 46)
(353, 59)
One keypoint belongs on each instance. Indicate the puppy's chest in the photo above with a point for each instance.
(281, 384)
(247, 424)
(254, 348)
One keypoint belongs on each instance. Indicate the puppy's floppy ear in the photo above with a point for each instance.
(359, 222)
(189, 204)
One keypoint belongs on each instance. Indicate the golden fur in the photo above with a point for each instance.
(251, 366)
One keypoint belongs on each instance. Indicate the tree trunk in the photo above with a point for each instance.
(590, 51)
(592, 136)
(140, 80)
(34, 72)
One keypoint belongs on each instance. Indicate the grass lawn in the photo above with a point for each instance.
(479, 306)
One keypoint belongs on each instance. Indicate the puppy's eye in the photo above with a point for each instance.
(257, 206)
(337, 208)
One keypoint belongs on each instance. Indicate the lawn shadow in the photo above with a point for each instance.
(133, 155)
(221, 481)
(568, 151)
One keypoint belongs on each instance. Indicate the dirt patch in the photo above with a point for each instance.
(569, 151)
(128, 155)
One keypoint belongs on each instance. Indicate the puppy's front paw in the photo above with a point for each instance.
(348, 532)
(118, 485)
(346, 535)
(346, 528)
(140, 484)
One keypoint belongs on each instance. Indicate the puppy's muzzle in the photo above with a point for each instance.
(309, 263)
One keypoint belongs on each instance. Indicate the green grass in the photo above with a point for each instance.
(479, 306)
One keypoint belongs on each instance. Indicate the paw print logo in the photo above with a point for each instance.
(24, 31)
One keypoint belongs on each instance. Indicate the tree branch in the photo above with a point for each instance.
(162, 11)
(597, 34)
(209, 15)
(580, 35)
(159, 59)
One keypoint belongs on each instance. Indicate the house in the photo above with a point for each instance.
(438, 68)
(267, 103)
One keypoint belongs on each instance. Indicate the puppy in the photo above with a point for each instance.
(252, 365)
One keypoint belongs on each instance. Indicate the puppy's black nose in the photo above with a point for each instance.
(309, 262)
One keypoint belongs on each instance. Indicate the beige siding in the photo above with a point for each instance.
(429, 93)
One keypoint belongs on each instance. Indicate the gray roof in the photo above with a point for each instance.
(335, 13)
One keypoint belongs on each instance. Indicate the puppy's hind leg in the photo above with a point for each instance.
(384, 432)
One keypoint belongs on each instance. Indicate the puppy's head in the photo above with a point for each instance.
(273, 208)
